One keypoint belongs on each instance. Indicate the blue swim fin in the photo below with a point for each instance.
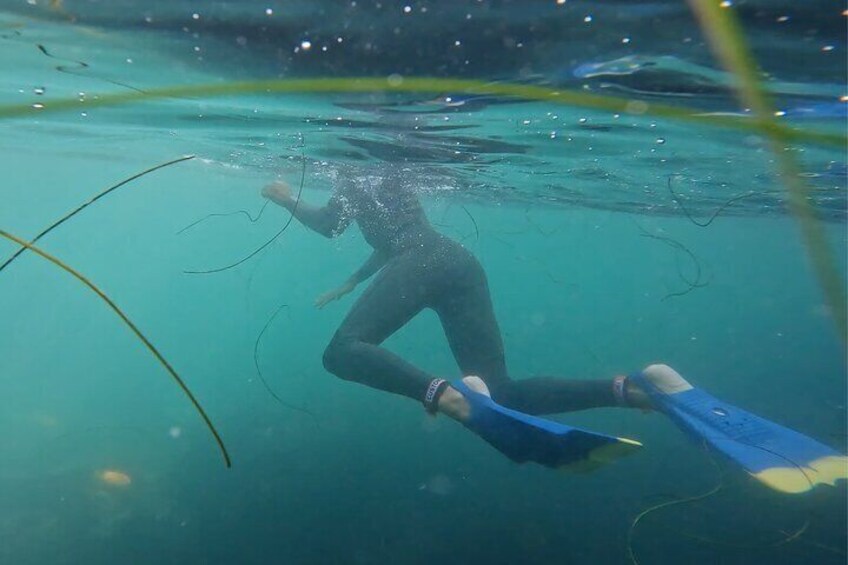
(782, 459)
(523, 437)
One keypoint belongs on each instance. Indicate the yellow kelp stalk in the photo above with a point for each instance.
(728, 43)
(80, 277)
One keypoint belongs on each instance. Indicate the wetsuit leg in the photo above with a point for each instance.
(465, 309)
(399, 292)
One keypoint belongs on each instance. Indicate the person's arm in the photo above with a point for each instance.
(329, 220)
(371, 266)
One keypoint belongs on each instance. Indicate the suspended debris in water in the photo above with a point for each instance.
(114, 478)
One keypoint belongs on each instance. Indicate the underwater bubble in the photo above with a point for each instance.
(39, 90)
(660, 141)
(38, 106)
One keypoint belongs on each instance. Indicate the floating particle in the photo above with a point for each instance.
(587, 19)
(407, 9)
(269, 12)
(38, 90)
(783, 19)
(114, 478)
(175, 432)
(625, 40)
(38, 106)
(560, 2)
(195, 16)
(827, 48)
(306, 45)
(726, 4)
(660, 141)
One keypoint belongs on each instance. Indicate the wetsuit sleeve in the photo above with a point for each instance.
(371, 266)
(329, 220)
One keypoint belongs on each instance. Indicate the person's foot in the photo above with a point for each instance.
(661, 376)
(454, 405)
(636, 397)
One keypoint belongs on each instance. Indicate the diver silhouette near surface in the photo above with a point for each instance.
(415, 267)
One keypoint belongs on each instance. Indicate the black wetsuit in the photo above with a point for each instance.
(420, 268)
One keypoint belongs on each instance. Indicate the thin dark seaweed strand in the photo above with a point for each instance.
(256, 347)
(718, 211)
(631, 531)
(226, 214)
(90, 202)
(82, 65)
(15, 33)
(674, 244)
(786, 537)
(270, 241)
(473, 221)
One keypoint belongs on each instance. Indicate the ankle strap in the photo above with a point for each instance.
(434, 391)
(619, 391)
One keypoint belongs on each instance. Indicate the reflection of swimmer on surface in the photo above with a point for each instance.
(666, 75)
(415, 267)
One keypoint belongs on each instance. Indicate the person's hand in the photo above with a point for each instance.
(278, 191)
(334, 294)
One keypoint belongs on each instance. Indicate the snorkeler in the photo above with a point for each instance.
(416, 268)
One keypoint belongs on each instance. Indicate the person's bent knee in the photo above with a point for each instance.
(337, 356)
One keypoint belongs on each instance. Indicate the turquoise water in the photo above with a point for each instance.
(566, 209)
